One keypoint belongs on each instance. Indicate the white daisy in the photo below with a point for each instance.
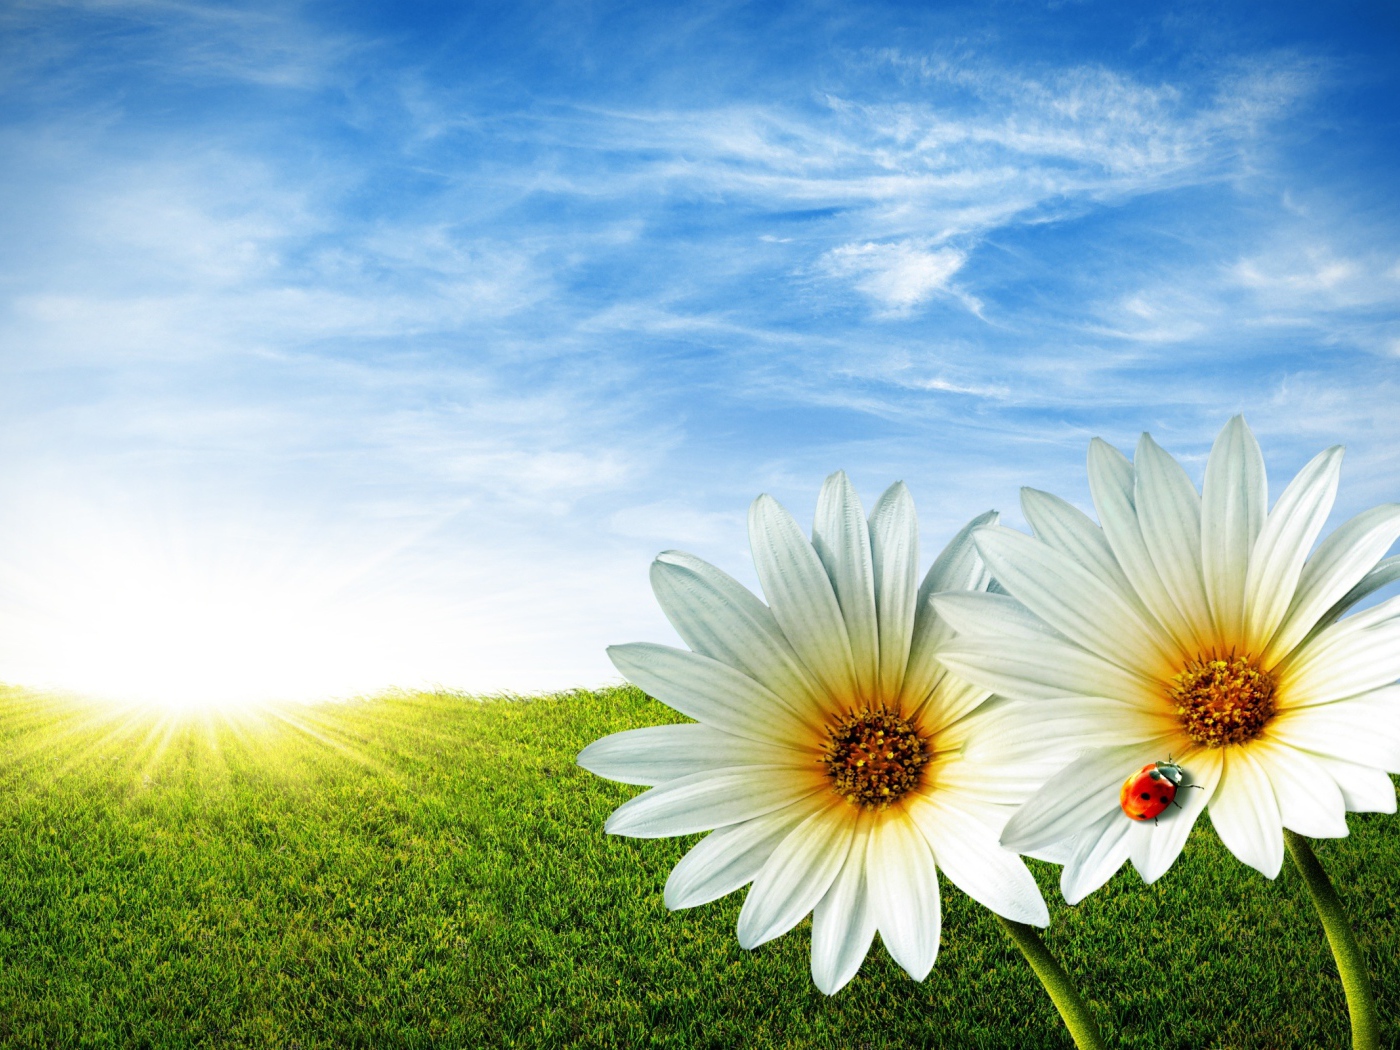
(826, 755)
(1192, 627)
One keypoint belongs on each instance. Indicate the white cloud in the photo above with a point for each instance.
(898, 277)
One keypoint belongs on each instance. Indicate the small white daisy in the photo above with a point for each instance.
(1192, 627)
(827, 755)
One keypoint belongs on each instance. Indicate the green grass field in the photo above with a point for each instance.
(430, 871)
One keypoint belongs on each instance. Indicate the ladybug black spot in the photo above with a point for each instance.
(1165, 800)
(1146, 796)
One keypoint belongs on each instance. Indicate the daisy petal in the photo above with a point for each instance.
(1245, 813)
(1234, 504)
(950, 702)
(904, 889)
(1112, 481)
(1309, 801)
(1099, 851)
(800, 595)
(1079, 795)
(708, 691)
(843, 922)
(1283, 545)
(1365, 730)
(1353, 656)
(1074, 534)
(841, 538)
(712, 799)
(730, 857)
(1045, 668)
(1365, 789)
(797, 875)
(967, 851)
(1340, 562)
(958, 568)
(717, 617)
(1384, 574)
(894, 548)
(1169, 513)
(1071, 599)
(979, 614)
(1019, 732)
(1160, 845)
(657, 754)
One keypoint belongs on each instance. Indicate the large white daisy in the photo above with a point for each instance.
(827, 751)
(1192, 627)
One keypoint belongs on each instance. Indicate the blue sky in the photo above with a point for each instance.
(351, 345)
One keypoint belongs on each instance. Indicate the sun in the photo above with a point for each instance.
(192, 616)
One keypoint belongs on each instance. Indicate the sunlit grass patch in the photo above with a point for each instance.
(430, 870)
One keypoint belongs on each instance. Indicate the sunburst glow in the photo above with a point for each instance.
(194, 614)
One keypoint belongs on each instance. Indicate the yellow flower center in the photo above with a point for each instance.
(1222, 702)
(874, 758)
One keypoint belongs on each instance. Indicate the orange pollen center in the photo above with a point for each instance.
(874, 758)
(1222, 702)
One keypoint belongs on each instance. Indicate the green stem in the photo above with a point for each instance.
(1365, 1031)
(1073, 1009)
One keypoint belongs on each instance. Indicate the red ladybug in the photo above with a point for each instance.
(1150, 790)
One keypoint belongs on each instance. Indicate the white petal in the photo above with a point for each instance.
(1365, 730)
(841, 538)
(1079, 795)
(1055, 853)
(657, 754)
(1073, 533)
(800, 595)
(1309, 801)
(1045, 668)
(1158, 845)
(958, 568)
(843, 922)
(1019, 732)
(798, 874)
(1283, 545)
(998, 782)
(894, 549)
(718, 617)
(730, 857)
(1234, 504)
(904, 892)
(711, 799)
(1169, 513)
(967, 850)
(709, 691)
(1073, 601)
(1112, 481)
(1245, 813)
(1365, 789)
(952, 698)
(980, 615)
(1099, 851)
(1340, 562)
(1384, 574)
(1355, 655)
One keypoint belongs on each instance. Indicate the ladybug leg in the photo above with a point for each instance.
(1156, 822)
(1176, 803)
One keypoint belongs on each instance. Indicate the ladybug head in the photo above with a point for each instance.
(1171, 771)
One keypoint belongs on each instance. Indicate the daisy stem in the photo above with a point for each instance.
(1073, 1009)
(1365, 1031)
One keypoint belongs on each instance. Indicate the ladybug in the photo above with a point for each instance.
(1151, 790)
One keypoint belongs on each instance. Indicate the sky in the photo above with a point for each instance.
(348, 346)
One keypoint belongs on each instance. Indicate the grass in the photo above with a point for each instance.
(430, 871)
